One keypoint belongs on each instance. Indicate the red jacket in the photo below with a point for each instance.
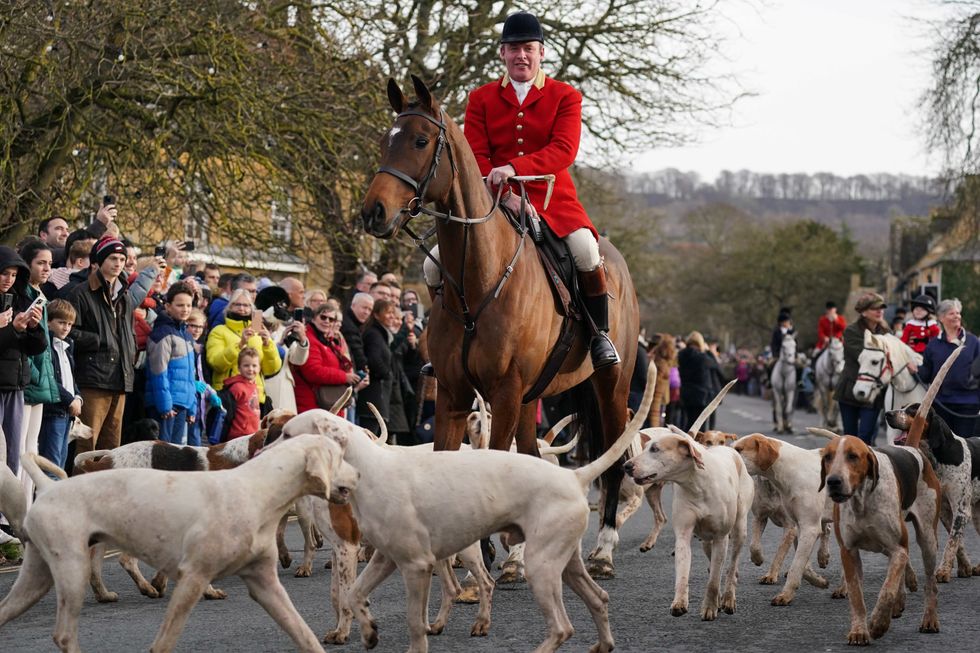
(827, 330)
(918, 333)
(321, 368)
(245, 421)
(539, 137)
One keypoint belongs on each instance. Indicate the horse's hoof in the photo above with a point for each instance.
(108, 597)
(335, 637)
(602, 569)
(512, 575)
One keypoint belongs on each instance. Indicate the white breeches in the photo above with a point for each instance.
(581, 243)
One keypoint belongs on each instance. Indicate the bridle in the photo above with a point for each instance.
(416, 206)
(876, 379)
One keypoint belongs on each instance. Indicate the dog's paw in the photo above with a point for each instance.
(881, 620)
(304, 571)
(107, 597)
(858, 637)
(942, 575)
(823, 559)
(469, 594)
(214, 594)
(840, 592)
(369, 635)
(149, 591)
(728, 603)
(930, 624)
(335, 637)
(709, 613)
(481, 628)
(601, 569)
(783, 598)
(756, 556)
(435, 629)
(768, 579)
(962, 571)
(285, 560)
(678, 609)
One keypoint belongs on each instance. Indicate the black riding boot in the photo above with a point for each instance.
(596, 302)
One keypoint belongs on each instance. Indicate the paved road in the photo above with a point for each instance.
(640, 600)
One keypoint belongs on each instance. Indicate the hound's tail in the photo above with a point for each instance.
(34, 464)
(558, 450)
(86, 456)
(13, 501)
(594, 470)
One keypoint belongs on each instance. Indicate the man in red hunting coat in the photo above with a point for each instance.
(830, 325)
(529, 124)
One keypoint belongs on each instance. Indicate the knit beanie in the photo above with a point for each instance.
(104, 248)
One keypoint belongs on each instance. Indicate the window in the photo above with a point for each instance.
(282, 219)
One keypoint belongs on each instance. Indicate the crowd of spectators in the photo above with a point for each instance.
(165, 346)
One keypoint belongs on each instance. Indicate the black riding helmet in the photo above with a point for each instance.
(522, 27)
(926, 302)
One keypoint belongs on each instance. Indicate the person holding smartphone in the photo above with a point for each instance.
(43, 388)
(328, 364)
(240, 329)
(20, 337)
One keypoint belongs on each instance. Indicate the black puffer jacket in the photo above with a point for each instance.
(105, 348)
(15, 347)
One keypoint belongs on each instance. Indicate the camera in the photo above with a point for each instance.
(298, 315)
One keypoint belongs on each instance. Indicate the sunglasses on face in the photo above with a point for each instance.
(328, 319)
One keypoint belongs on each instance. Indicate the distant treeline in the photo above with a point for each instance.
(822, 186)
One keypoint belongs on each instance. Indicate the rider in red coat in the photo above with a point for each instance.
(529, 124)
(919, 330)
(830, 325)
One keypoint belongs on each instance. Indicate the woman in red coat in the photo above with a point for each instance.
(529, 124)
(328, 363)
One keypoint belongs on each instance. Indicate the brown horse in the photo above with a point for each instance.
(426, 159)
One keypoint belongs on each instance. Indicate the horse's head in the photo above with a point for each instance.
(835, 350)
(874, 369)
(788, 348)
(416, 162)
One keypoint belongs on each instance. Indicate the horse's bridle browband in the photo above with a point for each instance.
(416, 207)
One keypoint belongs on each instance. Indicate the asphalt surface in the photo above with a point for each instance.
(640, 598)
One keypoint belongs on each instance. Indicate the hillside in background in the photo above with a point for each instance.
(865, 204)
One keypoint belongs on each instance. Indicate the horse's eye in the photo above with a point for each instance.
(421, 142)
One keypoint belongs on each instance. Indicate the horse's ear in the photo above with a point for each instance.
(422, 91)
(869, 339)
(395, 96)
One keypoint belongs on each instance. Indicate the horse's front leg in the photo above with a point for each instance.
(452, 408)
(611, 392)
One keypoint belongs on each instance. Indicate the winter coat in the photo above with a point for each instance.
(43, 388)
(917, 333)
(696, 380)
(853, 346)
(540, 136)
(959, 386)
(827, 329)
(105, 349)
(246, 419)
(378, 355)
(170, 366)
(322, 367)
(222, 350)
(351, 330)
(16, 346)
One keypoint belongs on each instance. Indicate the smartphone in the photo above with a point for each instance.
(39, 302)
(159, 250)
(257, 319)
(298, 315)
(107, 200)
(6, 301)
(362, 373)
(188, 245)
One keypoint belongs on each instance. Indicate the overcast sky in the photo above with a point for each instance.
(837, 84)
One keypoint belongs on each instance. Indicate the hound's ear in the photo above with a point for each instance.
(731, 436)
(318, 472)
(395, 96)
(699, 437)
(423, 93)
(693, 452)
(873, 469)
(766, 454)
(823, 469)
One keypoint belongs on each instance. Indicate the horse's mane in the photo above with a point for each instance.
(900, 353)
